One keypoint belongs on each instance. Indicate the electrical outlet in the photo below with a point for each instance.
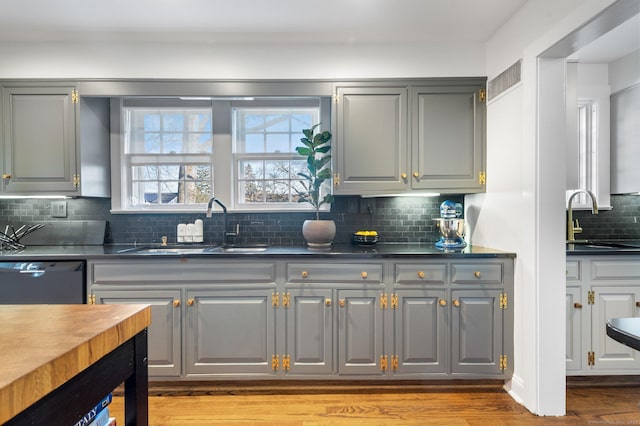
(59, 208)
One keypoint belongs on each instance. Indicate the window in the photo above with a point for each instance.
(266, 162)
(167, 150)
(175, 154)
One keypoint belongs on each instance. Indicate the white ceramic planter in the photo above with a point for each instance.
(319, 234)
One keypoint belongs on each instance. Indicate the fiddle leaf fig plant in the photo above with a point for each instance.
(316, 149)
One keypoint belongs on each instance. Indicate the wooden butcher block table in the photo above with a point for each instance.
(58, 361)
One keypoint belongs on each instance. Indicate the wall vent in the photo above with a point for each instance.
(508, 78)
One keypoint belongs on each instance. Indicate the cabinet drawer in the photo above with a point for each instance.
(573, 270)
(421, 274)
(332, 272)
(615, 270)
(462, 273)
(181, 272)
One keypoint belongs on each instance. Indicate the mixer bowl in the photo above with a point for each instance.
(450, 229)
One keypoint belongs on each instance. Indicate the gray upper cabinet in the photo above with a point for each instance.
(371, 139)
(39, 134)
(625, 133)
(393, 137)
(448, 142)
(42, 134)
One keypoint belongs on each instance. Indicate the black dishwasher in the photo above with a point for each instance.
(38, 282)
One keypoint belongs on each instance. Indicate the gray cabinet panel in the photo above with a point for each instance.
(448, 137)
(420, 332)
(360, 332)
(230, 332)
(309, 336)
(164, 341)
(625, 134)
(370, 139)
(39, 137)
(476, 338)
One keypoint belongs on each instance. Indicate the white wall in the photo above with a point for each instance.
(239, 61)
(625, 71)
(525, 211)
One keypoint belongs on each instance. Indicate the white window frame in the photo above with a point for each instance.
(223, 163)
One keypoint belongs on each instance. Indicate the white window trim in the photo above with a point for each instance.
(223, 172)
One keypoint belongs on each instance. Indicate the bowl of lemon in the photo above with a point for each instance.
(365, 238)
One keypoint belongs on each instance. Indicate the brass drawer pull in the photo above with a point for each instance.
(577, 305)
(190, 302)
(176, 303)
(304, 274)
(420, 274)
(341, 303)
(6, 176)
(364, 275)
(456, 303)
(442, 302)
(477, 274)
(403, 176)
(416, 175)
(327, 302)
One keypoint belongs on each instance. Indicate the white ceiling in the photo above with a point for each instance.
(255, 21)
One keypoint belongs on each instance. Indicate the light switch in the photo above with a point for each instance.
(59, 208)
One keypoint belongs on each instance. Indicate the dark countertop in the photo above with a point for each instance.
(625, 331)
(336, 251)
(604, 247)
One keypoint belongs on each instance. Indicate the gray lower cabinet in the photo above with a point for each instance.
(164, 338)
(277, 319)
(230, 332)
(453, 319)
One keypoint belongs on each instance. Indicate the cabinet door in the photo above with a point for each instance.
(39, 133)
(447, 138)
(230, 332)
(164, 342)
(370, 143)
(420, 332)
(476, 332)
(360, 332)
(613, 302)
(309, 331)
(574, 309)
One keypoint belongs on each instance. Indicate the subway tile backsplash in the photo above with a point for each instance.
(397, 219)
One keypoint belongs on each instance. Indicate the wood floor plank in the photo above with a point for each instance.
(266, 405)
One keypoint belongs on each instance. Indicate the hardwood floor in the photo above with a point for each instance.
(485, 403)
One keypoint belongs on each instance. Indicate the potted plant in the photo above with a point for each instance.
(316, 146)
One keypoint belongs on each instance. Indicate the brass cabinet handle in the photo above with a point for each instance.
(456, 303)
(577, 305)
(327, 302)
(364, 275)
(403, 176)
(420, 274)
(477, 274)
(176, 303)
(6, 176)
(341, 303)
(190, 302)
(637, 304)
(416, 174)
(304, 274)
(442, 302)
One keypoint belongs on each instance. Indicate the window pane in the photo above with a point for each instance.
(278, 143)
(251, 170)
(251, 191)
(254, 143)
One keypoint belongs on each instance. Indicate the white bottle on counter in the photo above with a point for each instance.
(188, 238)
(198, 233)
(181, 232)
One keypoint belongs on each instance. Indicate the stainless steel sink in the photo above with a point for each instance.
(253, 249)
(182, 250)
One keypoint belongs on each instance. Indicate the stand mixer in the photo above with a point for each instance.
(450, 226)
